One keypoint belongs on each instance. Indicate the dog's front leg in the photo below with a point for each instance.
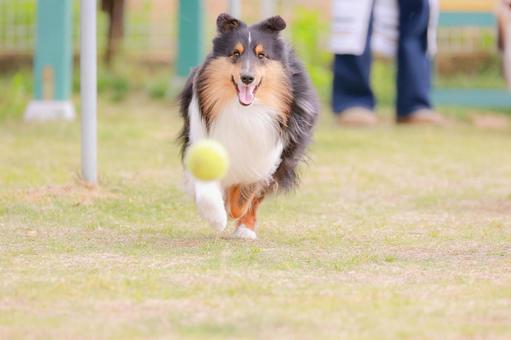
(210, 203)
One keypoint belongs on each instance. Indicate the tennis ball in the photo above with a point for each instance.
(207, 160)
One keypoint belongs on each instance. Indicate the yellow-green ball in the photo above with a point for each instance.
(207, 160)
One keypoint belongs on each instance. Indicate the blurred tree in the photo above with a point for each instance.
(115, 12)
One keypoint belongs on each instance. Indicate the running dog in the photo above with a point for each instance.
(254, 97)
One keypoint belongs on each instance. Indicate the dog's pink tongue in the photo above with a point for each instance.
(246, 94)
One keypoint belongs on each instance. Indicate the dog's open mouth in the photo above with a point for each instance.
(246, 93)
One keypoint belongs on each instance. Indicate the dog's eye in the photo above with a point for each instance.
(236, 54)
(261, 55)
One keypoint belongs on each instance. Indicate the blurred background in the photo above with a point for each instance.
(143, 59)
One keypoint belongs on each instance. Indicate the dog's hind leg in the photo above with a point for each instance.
(239, 199)
(247, 222)
(242, 202)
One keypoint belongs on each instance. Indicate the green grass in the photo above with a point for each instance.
(395, 233)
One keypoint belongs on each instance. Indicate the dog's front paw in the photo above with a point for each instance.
(211, 208)
(243, 232)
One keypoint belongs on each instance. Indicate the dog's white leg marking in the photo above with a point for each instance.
(208, 195)
(244, 233)
(210, 203)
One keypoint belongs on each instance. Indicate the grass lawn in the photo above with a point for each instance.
(395, 233)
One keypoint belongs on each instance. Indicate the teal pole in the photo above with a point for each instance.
(53, 50)
(52, 61)
(190, 36)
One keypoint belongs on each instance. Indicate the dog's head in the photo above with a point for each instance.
(248, 62)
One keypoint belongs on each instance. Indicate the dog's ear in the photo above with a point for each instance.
(274, 24)
(226, 23)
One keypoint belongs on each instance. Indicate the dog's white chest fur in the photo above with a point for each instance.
(252, 140)
(250, 136)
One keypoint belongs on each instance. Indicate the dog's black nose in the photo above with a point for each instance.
(247, 79)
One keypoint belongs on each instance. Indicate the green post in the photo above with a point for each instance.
(191, 36)
(52, 62)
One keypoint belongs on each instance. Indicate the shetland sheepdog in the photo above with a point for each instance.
(254, 97)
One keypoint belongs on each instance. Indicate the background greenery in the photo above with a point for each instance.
(130, 76)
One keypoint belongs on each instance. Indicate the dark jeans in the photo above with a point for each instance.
(352, 87)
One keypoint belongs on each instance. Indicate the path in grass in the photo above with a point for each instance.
(395, 232)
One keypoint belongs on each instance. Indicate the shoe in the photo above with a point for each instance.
(422, 117)
(357, 117)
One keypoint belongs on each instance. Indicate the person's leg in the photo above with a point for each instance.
(351, 84)
(414, 64)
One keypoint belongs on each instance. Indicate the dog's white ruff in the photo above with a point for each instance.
(243, 232)
(251, 138)
(252, 141)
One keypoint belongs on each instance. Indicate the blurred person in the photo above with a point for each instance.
(406, 26)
